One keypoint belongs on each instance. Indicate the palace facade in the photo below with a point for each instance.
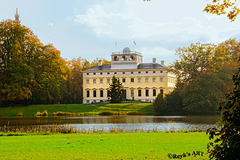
(141, 81)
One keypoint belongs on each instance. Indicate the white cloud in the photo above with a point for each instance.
(97, 19)
(50, 24)
(124, 22)
(124, 26)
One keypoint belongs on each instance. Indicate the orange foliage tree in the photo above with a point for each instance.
(30, 72)
(229, 7)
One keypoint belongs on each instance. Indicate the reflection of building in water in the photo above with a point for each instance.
(94, 120)
(117, 119)
(141, 81)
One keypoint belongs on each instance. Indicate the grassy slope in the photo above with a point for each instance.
(103, 146)
(31, 110)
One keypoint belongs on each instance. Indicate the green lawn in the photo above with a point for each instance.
(79, 109)
(103, 146)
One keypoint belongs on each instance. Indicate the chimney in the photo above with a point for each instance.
(162, 62)
(154, 60)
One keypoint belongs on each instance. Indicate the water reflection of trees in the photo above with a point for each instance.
(110, 120)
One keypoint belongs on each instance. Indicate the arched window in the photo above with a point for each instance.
(115, 58)
(132, 58)
(123, 58)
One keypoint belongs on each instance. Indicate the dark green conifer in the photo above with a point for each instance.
(116, 90)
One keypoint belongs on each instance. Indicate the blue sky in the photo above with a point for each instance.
(89, 28)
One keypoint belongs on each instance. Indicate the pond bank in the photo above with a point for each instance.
(79, 109)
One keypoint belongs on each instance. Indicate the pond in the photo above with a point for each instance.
(126, 123)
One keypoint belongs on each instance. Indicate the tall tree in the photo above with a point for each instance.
(116, 90)
(227, 142)
(16, 75)
(73, 86)
(202, 66)
(30, 72)
(50, 72)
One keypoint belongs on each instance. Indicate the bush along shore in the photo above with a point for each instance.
(78, 109)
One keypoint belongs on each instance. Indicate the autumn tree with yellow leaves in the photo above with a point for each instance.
(219, 7)
(30, 72)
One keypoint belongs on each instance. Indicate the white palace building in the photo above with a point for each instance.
(141, 81)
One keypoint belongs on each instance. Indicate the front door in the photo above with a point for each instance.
(124, 95)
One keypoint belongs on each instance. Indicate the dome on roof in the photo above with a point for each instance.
(126, 50)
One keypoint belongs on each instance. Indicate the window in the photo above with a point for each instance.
(139, 72)
(108, 80)
(132, 79)
(132, 58)
(101, 93)
(87, 101)
(94, 80)
(139, 79)
(146, 71)
(101, 80)
(108, 93)
(123, 72)
(161, 91)
(147, 92)
(115, 58)
(94, 93)
(108, 73)
(88, 93)
(101, 73)
(146, 79)
(123, 80)
(131, 72)
(154, 92)
(132, 92)
(154, 79)
(161, 79)
(161, 71)
(115, 72)
(154, 72)
(139, 93)
(94, 73)
(87, 81)
(87, 73)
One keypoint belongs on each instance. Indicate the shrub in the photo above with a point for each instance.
(158, 104)
(44, 113)
(60, 113)
(106, 113)
(135, 113)
(20, 114)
